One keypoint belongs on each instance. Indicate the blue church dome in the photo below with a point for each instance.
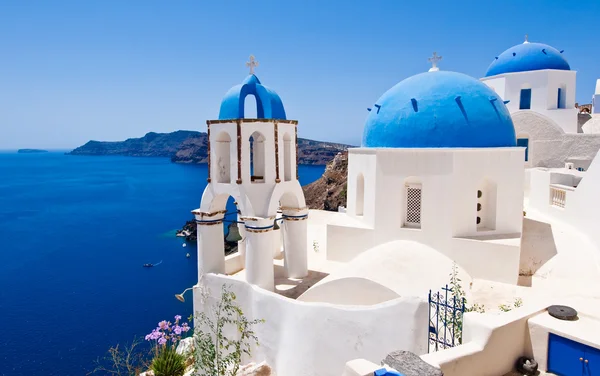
(528, 57)
(269, 105)
(439, 110)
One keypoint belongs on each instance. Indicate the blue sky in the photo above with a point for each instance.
(71, 71)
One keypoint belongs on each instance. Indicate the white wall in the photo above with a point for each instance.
(544, 86)
(450, 179)
(550, 146)
(581, 205)
(596, 99)
(305, 339)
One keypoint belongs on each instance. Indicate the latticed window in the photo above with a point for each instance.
(413, 205)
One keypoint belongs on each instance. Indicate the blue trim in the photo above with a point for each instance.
(259, 228)
(294, 216)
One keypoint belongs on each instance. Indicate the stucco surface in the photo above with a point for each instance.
(549, 146)
(592, 126)
(307, 339)
(397, 266)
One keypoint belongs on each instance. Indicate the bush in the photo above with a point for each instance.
(168, 362)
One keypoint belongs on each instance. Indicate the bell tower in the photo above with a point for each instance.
(254, 160)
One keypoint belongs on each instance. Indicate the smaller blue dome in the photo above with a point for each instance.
(528, 57)
(439, 110)
(269, 105)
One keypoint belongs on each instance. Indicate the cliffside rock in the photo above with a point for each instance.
(192, 147)
(329, 191)
(410, 364)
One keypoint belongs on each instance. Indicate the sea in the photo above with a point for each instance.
(74, 234)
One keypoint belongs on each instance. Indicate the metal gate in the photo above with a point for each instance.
(445, 320)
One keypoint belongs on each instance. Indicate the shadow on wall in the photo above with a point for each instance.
(293, 288)
(537, 248)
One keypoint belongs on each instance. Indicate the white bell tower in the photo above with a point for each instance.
(255, 162)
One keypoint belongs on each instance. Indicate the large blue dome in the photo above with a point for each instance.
(528, 57)
(439, 110)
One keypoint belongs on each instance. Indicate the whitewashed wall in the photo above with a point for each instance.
(581, 205)
(450, 179)
(550, 146)
(544, 86)
(307, 339)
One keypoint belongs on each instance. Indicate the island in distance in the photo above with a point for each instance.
(29, 151)
(192, 147)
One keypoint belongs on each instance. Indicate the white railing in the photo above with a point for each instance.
(558, 197)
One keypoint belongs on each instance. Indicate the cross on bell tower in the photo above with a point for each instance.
(434, 60)
(252, 64)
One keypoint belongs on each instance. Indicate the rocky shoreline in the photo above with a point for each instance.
(189, 231)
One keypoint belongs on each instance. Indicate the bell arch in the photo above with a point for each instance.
(222, 161)
(287, 157)
(257, 157)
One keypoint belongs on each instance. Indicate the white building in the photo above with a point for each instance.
(596, 99)
(254, 161)
(538, 86)
(438, 165)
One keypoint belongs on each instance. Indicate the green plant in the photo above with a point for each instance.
(168, 363)
(128, 360)
(507, 307)
(215, 353)
(315, 246)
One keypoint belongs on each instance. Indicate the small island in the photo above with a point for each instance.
(29, 151)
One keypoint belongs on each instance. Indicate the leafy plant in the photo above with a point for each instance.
(315, 246)
(128, 360)
(215, 353)
(507, 307)
(168, 362)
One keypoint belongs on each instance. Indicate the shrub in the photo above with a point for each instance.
(127, 360)
(216, 354)
(168, 362)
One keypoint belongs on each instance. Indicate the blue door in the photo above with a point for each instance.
(524, 142)
(565, 357)
(525, 102)
(592, 367)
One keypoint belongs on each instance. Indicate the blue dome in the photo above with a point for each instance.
(439, 110)
(528, 57)
(269, 105)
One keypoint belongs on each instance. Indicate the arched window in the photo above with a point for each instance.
(486, 205)
(257, 158)
(222, 161)
(287, 157)
(360, 194)
(413, 199)
(250, 107)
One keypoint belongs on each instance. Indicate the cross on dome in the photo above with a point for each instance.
(526, 39)
(252, 64)
(434, 60)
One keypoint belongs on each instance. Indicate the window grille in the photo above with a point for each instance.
(413, 205)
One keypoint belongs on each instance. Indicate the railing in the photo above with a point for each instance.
(445, 320)
(558, 197)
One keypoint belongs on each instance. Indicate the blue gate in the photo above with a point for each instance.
(445, 320)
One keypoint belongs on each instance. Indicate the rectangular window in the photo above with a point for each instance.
(413, 205)
(524, 142)
(525, 103)
(558, 101)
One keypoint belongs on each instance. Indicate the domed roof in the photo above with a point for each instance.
(439, 110)
(528, 57)
(269, 105)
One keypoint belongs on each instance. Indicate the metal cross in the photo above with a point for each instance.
(252, 64)
(526, 38)
(434, 60)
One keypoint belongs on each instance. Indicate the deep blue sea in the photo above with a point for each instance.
(74, 233)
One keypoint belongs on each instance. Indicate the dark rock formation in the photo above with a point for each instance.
(330, 190)
(410, 364)
(29, 151)
(192, 147)
(189, 231)
(151, 145)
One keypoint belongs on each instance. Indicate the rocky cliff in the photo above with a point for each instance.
(329, 191)
(192, 147)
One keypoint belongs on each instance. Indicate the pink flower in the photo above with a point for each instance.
(177, 318)
(177, 329)
(163, 325)
(162, 341)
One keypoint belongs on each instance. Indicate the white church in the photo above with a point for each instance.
(454, 173)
